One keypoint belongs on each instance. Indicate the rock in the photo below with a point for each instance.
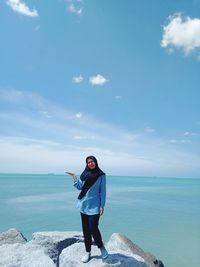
(12, 236)
(119, 241)
(54, 242)
(71, 257)
(65, 249)
(152, 259)
(42, 251)
(24, 255)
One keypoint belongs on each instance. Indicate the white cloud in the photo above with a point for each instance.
(189, 134)
(84, 137)
(77, 79)
(22, 8)
(16, 96)
(98, 80)
(181, 32)
(179, 141)
(150, 130)
(46, 114)
(77, 137)
(118, 97)
(79, 115)
(75, 7)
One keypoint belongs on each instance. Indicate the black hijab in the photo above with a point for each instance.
(89, 177)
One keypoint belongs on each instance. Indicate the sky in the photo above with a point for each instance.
(111, 78)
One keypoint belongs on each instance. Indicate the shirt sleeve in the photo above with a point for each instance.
(78, 184)
(103, 191)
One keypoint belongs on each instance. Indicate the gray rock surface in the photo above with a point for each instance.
(54, 242)
(71, 256)
(12, 236)
(65, 249)
(24, 255)
(121, 242)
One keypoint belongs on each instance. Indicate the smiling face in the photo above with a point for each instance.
(91, 164)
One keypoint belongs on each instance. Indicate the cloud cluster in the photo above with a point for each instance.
(21, 7)
(181, 32)
(118, 97)
(98, 80)
(77, 79)
(75, 6)
(93, 80)
(180, 141)
(79, 115)
(190, 134)
(59, 138)
(150, 130)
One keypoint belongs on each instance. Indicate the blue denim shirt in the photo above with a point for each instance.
(95, 197)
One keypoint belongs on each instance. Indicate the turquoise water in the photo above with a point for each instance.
(162, 215)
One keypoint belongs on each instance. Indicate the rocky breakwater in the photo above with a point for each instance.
(65, 249)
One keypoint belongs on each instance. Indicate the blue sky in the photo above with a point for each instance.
(115, 79)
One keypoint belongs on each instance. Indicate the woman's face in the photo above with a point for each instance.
(91, 164)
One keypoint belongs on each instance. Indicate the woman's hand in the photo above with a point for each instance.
(101, 210)
(72, 174)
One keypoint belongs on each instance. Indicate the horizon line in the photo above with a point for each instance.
(111, 175)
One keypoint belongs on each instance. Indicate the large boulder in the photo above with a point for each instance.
(65, 249)
(54, 242)
(42, 251)
(24, 255)
(120, 242)
(122, 252)
(71, 257)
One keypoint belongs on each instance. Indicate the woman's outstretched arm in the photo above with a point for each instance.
(77, 183)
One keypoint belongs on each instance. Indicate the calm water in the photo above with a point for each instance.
(162, 215)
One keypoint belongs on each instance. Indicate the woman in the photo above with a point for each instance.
(92, 197)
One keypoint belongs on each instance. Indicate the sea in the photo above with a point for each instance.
(161, 215)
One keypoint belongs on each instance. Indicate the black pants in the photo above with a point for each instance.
(90, 229)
